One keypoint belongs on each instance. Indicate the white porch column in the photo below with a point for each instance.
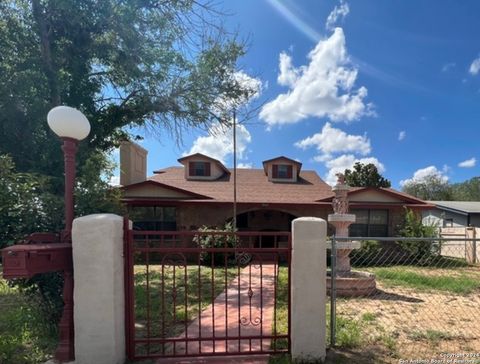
(308, 274)
(99, 313)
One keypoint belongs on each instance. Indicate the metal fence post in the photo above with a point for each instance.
(333, 292)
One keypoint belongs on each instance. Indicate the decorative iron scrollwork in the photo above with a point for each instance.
(242, 258)
(244, 321)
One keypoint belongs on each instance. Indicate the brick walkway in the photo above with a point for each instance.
(230, 317)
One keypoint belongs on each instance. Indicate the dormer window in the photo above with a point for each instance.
(199, 169)
(202, 167)
(282, 171)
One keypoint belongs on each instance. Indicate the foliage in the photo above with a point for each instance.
(368, 254)
(210, 238)
(436, 188)
(93, 194)
(365, 175)
(26, 337)
(413, 227)
(26, 205)
(165, 65)
(466, 191)
(431, 187)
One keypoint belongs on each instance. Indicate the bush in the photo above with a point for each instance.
(208, 239)
(30, 202)
(412, 227)
(368, 254)
(26, 204)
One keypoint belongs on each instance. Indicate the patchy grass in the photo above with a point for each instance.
(432, 336)
(426, 279)
(349, 332)
(25, 337)
(175, 296)
(369, 317)
(352, 336)
(280, 322)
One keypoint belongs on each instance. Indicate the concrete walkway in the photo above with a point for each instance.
(234, 315)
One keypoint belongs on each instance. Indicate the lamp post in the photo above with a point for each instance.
(71, 126)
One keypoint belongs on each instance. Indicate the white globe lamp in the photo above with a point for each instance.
(68, 122)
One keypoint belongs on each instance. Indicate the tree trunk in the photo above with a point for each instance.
(39, 16)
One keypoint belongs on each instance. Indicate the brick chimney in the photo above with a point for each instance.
(133, 163)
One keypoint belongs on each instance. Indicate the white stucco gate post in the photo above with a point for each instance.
(308, 296)
(99, 299)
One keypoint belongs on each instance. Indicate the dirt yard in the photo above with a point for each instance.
(401, 322)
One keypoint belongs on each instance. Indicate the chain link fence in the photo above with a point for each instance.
(423, 307)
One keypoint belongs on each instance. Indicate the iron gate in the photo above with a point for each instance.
(192, 293)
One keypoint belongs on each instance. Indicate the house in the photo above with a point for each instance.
(457, 220)
(453, 214)
(200, 192)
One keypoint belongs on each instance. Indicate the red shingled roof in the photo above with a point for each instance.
(252, 187)
(400, 195)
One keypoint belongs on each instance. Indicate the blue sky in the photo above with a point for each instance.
(390, 82)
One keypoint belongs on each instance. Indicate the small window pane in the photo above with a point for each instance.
(169, 214)
(379, 217)
(362, 216)
(199, 169)
(153, 218)
(358, 230)
(282, 171)
(142, 213)
(378, 230)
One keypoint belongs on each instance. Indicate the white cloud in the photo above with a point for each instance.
(288, 74)
(218, 143)
(469, 163)
(475, 66)
(339, 164)
(448, 66)
(252, 84)
(322, 88)
(245, 165)
(402, 135)
(422, 174)
(339, 12)
(332, 140)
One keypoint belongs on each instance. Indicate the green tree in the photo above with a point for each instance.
(466, 191)
(422, 251)
(365, 175)
(167, 65)
(25, 204)
(430, 187)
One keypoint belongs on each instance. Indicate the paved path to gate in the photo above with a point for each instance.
(234, 315)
